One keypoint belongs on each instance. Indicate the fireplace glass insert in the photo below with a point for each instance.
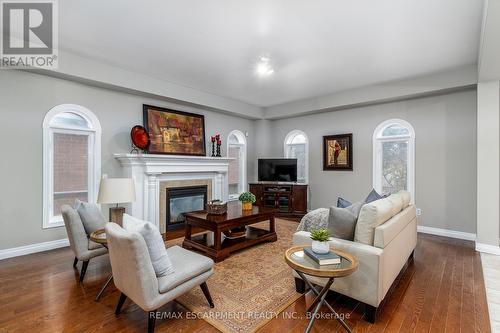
(182, 200)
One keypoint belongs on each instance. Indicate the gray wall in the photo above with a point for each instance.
(24, 100)
(445, 129)
(445, 156)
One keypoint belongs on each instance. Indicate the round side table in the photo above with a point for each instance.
(299, 261)
(99, 236)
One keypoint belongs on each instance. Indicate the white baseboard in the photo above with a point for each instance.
(51, 245)
(33, 248)
(486, 248)
(446, 233)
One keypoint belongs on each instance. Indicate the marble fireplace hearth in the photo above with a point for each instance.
(154, 174)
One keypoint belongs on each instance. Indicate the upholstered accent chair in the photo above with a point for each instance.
(134, 275)
(83, 248)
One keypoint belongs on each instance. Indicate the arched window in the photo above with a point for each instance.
(71, 159)
(237, 175)
(394, 157)
(297, 146)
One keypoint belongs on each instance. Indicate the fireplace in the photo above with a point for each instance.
(153, 174)
(182, 200)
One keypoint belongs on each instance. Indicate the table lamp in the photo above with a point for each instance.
(116, 191)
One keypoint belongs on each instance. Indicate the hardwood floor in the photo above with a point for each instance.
(441, 291)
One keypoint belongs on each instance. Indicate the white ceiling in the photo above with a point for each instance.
(315, 47)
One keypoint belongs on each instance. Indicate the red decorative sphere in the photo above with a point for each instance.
(140, 137)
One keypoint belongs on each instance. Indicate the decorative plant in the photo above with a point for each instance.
(247, 197)
(320, 235)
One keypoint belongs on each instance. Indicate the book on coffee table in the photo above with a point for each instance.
(329, 258)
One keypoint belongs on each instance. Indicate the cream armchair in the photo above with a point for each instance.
(83, 248)
(135, 277)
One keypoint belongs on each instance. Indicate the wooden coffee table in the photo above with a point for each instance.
(234, 218)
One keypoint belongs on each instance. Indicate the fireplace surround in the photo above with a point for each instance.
(153, 174)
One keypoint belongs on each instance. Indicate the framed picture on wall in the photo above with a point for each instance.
(174, 132)
(337, 152)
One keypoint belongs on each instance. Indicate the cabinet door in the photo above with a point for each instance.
(283, 202)
(299, 202)
(269, 200)
(256, 189)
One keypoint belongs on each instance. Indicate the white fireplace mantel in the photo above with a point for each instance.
(149, 170)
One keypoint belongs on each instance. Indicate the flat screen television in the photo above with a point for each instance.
(277, 169)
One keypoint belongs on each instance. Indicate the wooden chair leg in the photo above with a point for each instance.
(300, 285)
(121, 300)
(75, 262)
(151, 321)
(206, 292)
(371, 313)
(84, 270)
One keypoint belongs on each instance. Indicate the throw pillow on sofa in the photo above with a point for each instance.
(372, 196)
(343, 203)
(342, 221)
(315, 219)
(371, 216)
(154, 242)
(91, 216)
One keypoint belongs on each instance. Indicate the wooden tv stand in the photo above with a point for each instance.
(290, 199)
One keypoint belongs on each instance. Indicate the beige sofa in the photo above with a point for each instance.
(385, 238)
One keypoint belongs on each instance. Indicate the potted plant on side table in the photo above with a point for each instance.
(247, 199)
(320, 239)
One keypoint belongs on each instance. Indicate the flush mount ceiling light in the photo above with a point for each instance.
(263, 67)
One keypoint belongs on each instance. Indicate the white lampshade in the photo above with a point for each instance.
(116, 190)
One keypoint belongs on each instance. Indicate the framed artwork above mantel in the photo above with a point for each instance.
(174, 132)
(337, 152)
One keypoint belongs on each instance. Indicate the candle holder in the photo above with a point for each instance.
(219, 143)
(213, 146)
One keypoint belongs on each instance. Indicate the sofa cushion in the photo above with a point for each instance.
(342, 221)
(406, 197)
(154, 242)
(397, 203)
(187, 265)
(371, 216)
(91, 216)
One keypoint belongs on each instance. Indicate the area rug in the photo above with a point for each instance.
(249, 288)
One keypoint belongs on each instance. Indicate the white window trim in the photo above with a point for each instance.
(94, 161)
(291, 134)
(242, 183)
(378, 139)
